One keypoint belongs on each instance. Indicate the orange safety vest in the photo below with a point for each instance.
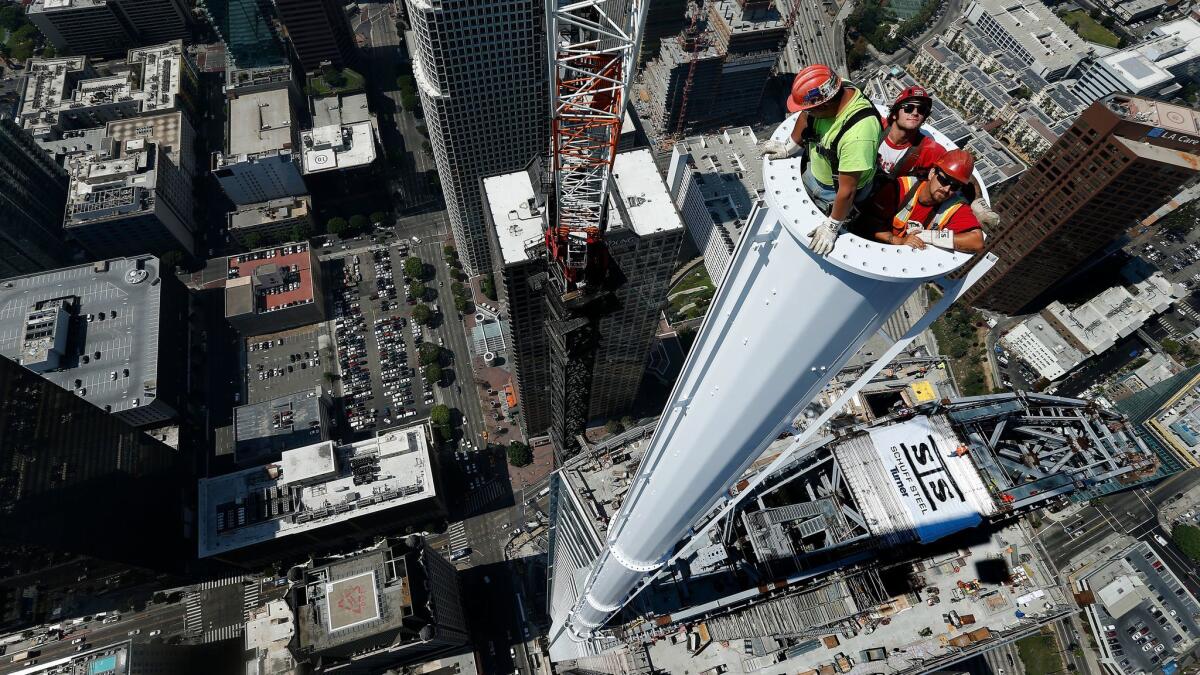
(937, 217)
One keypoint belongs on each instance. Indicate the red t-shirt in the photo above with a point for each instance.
(928, 153)
(887, 201)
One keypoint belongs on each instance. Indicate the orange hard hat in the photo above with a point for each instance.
(916, 94)
(957, 164)
(813, 86)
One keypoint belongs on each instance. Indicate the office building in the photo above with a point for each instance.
(1123, 158)
(65, 95)
(1031, 32)
(259, 161)
(716, 76)
(81, 488)
(274, 289)
(247, 29)
(109, 332)
(261, 431)
(343, 137)
(485, 108)
(1057, 339)
(319, 32)
(836, 528)
(577, 364)
(277, 220)
(715, 181)
(319, 497)
(1154, 68)
(106, 28)
(395, 603)
(133, 198)
(33, 193)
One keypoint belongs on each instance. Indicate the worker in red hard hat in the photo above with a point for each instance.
(841, 131)
(908, 151)
(915, 212)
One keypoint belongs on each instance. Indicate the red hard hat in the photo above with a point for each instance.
(915, 93)
(957, 164)
(813, 86)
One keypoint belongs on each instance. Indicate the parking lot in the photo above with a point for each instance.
(375, 337)
(284, 363)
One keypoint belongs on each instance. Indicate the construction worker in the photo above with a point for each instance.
(917, 213)
(906, 151)
(841, 130)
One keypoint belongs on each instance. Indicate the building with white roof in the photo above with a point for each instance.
(342, 137)
(642, 239)
(259, 161)
(318, 496)
(1153, 68)
(66, 94)
(1058, 339)
(1032, 33)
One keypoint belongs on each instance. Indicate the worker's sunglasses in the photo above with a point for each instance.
(912, 108)
(947, 181)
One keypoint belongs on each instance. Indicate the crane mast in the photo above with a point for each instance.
(592, 53)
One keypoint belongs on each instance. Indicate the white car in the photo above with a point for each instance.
(155, 632)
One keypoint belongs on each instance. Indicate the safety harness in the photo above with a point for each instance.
(830, 152)
(912, 154)
(935, 219)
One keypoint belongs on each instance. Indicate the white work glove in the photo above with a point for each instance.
(822, 237)
(939, 238)
(780, 149)
(984, 213)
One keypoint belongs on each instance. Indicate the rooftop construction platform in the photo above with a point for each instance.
(314, 487)
(91, 329)
(935, 485)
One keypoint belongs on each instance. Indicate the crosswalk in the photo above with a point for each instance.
(191, 613)
(217, 583)
(222, 633)
(457, 534)
(485, 495)
(249, 598)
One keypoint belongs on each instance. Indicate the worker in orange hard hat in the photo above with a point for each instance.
(918, 213)
(841, 130)
(906, 150)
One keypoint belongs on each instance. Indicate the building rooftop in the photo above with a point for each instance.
(104, 186)
(729, 175)
(57, 5)
(265, 213)
(640, 196)
(263, 430)
(260, 122)
(91, 329)
(270, 279)
(113, 659)
(512, 199)
(269, 630)
(366, 593)
(342, 137)
(1037, 31)
(148, 81)
(312, 487)
(1148, 606)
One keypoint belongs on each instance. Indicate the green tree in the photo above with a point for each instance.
(337, 226)
(450, 250)
(417, 290)
(1171, 346)
(457, 288)
(377, 217)
(429, 353)
(48, 51)
(519, 454)
(333, 76)
(488, 286)
(414, 267)
(252, 240)
(11, 17)
(461, 304)
(422, 315)
(433, 374)
(628, 422)
(358, 223)
(1187, 537)
(439, 415)
(613, 427)
(302, 231)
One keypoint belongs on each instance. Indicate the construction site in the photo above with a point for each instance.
(793, 580)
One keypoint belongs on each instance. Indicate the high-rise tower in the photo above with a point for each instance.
(108, 28)
(319, 31)
(1123, 158)
(33, 192)
(578, 363)
(481, 72)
